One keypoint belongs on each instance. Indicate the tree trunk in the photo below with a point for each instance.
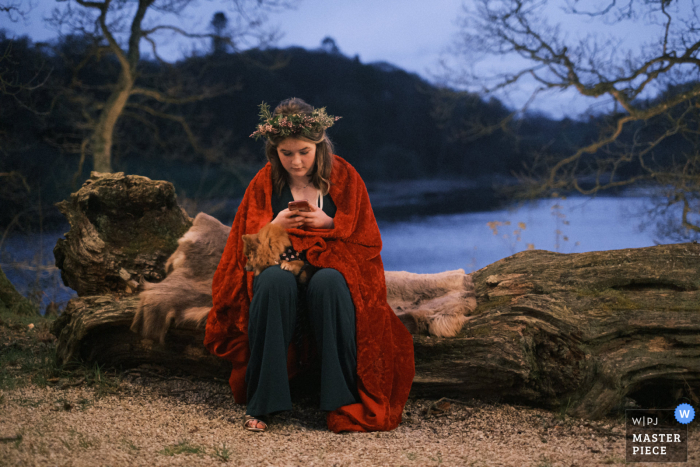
(102, 136)
(580, 331)
(123, 229)
(96, 329)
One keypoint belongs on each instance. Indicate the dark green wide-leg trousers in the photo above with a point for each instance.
(271, 324)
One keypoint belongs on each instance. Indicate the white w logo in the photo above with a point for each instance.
(684, 413)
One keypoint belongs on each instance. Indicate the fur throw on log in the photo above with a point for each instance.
(435, 304)
(185, 293)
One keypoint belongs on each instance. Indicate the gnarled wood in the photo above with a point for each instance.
(592, 328)
(580, 330)
(123, 229)
(96, 329)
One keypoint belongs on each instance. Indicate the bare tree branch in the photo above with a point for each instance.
(656, 88)
(16, 9)
(118, 27)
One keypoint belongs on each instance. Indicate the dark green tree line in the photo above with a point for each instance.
(395, 125)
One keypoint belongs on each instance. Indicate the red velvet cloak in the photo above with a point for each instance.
(385, 365)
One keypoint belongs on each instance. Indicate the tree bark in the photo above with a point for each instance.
(102, 136)
(123, 229)
(96, 329)
(578, 331)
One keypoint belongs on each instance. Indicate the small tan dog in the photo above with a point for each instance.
(264, 249)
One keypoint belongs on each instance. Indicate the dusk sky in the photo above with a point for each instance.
(411, 34)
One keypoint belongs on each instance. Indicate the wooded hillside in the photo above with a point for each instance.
(394, 124)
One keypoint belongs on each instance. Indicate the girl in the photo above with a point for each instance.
(365, 352)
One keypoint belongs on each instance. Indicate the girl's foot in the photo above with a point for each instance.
(252, 423)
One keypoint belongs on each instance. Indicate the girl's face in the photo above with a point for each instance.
(297, 156)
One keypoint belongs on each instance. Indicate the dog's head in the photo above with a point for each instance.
(258, 253)
(263, 249)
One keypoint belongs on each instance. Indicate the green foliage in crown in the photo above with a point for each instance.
(292, 125)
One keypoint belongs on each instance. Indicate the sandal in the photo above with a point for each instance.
(251, 423)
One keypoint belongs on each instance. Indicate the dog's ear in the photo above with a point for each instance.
(251, 240)
(249, 244)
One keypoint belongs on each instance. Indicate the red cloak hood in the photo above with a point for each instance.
(385, 365)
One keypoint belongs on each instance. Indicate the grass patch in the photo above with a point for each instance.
(129, 444)
(63, 404)
(85, 443)
(7, 381)
(66, 444)
(27, 352)
(183, 447)
(28, 356)
(16, 320)
(222, 453)
(104, 382)
(85, 403)
(24, 402)
(563, 410)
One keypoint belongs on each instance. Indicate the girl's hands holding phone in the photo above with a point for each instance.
(316, 218)
(289, 219)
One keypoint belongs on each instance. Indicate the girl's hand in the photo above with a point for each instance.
(289, 219)
(316, 219)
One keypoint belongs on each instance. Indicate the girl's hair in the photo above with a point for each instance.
(321, 173)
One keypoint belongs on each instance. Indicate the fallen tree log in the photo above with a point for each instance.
(123, 229)
(582, 331)
(96, 329)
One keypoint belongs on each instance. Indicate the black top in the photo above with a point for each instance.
(281, 202)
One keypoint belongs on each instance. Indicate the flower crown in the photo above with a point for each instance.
(292, 125)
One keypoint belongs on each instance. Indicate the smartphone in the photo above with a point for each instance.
(301, 206)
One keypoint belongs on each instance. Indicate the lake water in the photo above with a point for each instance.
(471, 241)
(428, 244)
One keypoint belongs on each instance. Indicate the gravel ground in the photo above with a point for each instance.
(155, 420)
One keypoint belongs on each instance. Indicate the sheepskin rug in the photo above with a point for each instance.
(435, 304)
